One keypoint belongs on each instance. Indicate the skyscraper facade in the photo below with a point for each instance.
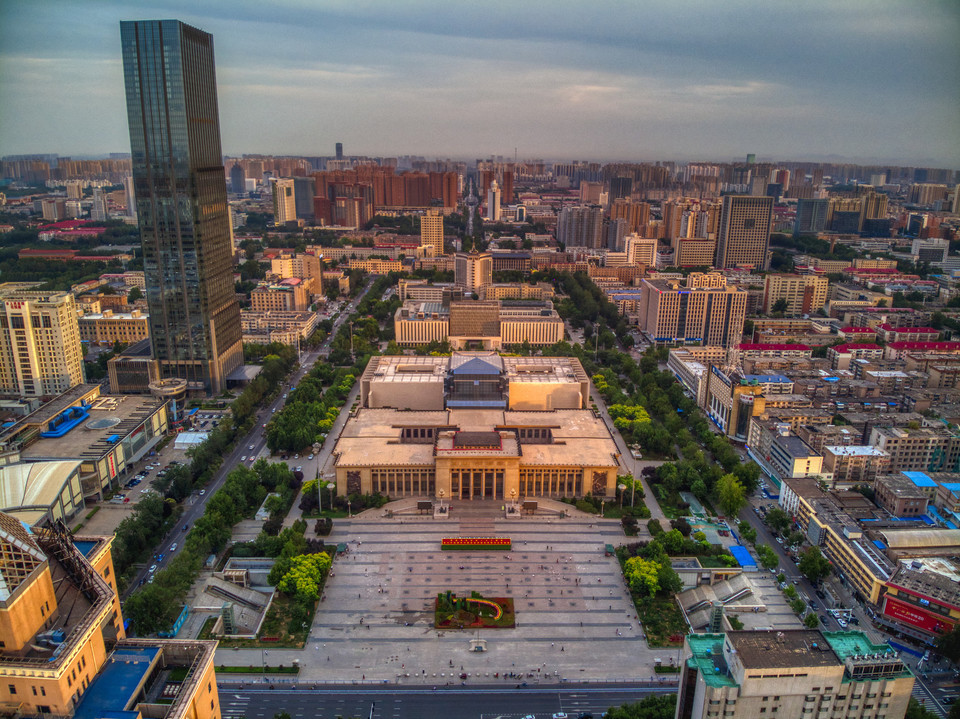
(744, 236)
(811, 216)
(284, 201)
(181, 197)
(431, 232)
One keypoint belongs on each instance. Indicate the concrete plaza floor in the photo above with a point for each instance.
(575, 621)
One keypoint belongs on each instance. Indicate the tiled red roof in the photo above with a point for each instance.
(888, 328)
(843, 349)
(759, 347)
(925, 345)
(861, 330)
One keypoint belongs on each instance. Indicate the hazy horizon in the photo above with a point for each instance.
(620, 81)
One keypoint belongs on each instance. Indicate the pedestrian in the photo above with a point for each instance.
(561, 649)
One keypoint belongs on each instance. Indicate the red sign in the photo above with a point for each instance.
(916, 616)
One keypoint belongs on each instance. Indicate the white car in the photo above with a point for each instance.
(153, 568)
(310, 457)
(251, 447)
(298, 469)
(173, 547)
(243, 458)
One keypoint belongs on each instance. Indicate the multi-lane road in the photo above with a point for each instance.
(425, 703)
(251, 446)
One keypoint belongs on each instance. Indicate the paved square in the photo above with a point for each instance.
(575, 620)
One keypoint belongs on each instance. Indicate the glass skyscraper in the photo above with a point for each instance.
(181, 197)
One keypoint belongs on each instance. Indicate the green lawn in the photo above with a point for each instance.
(274, 632)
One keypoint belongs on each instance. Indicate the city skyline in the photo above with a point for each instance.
(630, 81)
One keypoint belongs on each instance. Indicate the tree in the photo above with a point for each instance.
(780, 306)
(642, 575)
(949, 644)
(658, 706)
(812, 621)
(748, 533)
(778, 520)
(731, 494)
(813, 565)
(135, 294)
(767, 556)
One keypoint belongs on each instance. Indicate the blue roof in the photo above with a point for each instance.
(767, 378)
(952, 486)
(85, 547)
(919, 479)
(116, 684)
(879, 545)
(742, 556)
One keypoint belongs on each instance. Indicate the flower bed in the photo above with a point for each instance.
(475, 543)
(474, 612)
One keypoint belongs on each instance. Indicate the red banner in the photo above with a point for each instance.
(916, 616)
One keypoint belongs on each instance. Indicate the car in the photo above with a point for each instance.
(284, 396)
(160, 557)
(252, 447)
(296, 456)
(185, 527)
(243, 458)
(561, 715)
(203, 492)
(273, 411)
(310, 457)
(585, 715)
(813, 605)
(153, 568)
(298, 469)
(820, 593)
(173, 548)
(252, 457)
(264, 425)
(854, 620)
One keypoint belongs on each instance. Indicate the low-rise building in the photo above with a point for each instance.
(289, 295)
(107, 434)
(923, 604)
(288, 328)
(841, 356)
(802, 294)
(109, 327)
(889, 333)
(851, 465)
(900, 496)
(922, 448)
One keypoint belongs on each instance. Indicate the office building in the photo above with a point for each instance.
(852, 465)
(791, 673)
(284, 202)
(704, 310)
(473, 270)
(40, 350)
(238, 179)
(286, 327)
(640, 250)
(98, 210)
(63, 650)
(811, 216)
(744, 235)
(182, 201)
(431, 232)
(302, 266)
(304, 189)
(924, 448)
(804, 294)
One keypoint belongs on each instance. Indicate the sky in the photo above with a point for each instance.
(633, 80)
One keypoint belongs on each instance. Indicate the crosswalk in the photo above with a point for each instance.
(923, 696)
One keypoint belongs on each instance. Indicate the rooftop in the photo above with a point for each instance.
(707, 657)
(782, 649)
(856, 451)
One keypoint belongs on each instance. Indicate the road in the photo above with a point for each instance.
(251, 446)
(391, 703)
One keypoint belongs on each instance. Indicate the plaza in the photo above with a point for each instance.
(575, 619)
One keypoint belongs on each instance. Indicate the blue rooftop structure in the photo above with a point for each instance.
(767, 378)
(476, 365)
(919, 479)
(742, 556)
(85, 547)
(119, 681)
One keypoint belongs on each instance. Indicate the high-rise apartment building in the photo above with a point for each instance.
(811, 216)
(473, 270)
(98, 210)
(637, 214)
(706, 310)
(431, 232)
(791, 673)
(744, 236)
(284, 201)
(181, 201)
(804, 294)
(580, 226)
(74, 190)
(493, 201)
(130, 196)
(40, 352)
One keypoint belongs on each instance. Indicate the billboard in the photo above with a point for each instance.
(916, 616)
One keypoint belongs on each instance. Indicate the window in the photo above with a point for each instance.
(13, 689)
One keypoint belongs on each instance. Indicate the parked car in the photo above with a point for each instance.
(243, 458)
(310, 457)
(173, 548)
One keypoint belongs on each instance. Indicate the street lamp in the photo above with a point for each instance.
(621, 487)
(330, 487)
(263, 663)
(441, 500)
(513, 498)
(349, 510)
(602, 502)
